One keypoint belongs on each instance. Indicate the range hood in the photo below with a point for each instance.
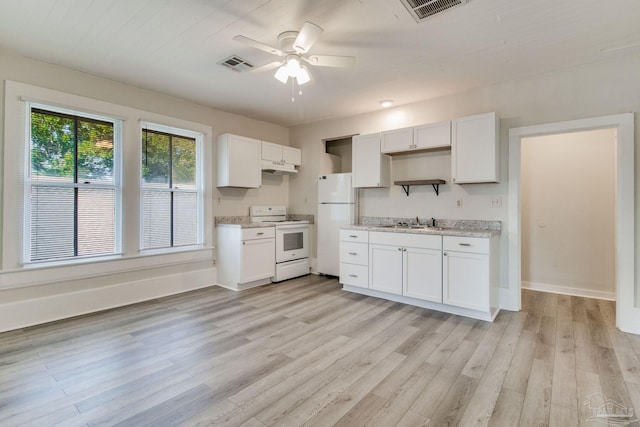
(278, 168)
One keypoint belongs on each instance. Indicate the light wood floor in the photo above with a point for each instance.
(304, 352)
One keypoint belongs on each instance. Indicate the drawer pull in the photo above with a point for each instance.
(353, 236)
(353, 275)
(464, 244)
(259, 234)
(353, 253)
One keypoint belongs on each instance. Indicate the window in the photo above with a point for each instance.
(72, 185)
(171, 190)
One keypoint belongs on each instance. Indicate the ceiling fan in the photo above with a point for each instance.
(293, 46)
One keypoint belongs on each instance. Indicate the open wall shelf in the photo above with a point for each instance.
(435, 183)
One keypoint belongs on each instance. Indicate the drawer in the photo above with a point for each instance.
(258, 233)
(477, 245)
(354, 275)
(410, 240)
(354, 236)
(354, 253)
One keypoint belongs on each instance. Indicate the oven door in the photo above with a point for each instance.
(292, 242)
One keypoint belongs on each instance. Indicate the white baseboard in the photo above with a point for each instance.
(20, 314)
(566, 290)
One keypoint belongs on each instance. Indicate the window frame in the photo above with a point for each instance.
(199, 187)
(29, 183)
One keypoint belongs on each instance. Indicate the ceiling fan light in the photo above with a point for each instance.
(386, 103)
(303, 76)
(293, 65)
(282, 74)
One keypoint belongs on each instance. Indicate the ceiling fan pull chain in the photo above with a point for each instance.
(293, 90)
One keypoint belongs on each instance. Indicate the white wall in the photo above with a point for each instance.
(54, 293)
(567, 194)
(597, 89)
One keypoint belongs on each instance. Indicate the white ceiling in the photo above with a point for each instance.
(173, 46)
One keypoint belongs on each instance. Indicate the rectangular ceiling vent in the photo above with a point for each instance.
(236, 63)
(423, 9)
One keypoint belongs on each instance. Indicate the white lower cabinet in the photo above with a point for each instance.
(354, 258)
(385, 268)
(406, 264)
(448, 273)
(468, 275)
(245, 257)
(422, 276)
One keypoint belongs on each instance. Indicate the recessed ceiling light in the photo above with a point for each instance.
(386, 103)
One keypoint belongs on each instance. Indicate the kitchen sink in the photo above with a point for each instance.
(412, 227)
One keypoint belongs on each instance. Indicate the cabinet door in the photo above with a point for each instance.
(385, 268)
(465, 280)
(397, 140)
(433, 135)
(271, 152)
(370, 168)
(292, 155)
(258, 259)
(422, 277)
(238, 160)
(474, 149)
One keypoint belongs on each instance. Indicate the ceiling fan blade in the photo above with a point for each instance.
(266, 67)
(307, 37)
(254, 43)
(330, 60)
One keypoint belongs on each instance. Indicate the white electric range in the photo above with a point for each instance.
(292, 241)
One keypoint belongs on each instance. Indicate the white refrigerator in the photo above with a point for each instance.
(336, 207)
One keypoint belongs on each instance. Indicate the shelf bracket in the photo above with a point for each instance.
(435, 183)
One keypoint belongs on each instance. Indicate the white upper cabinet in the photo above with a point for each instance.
(238, 161)
(434, 135)
(370, 167)
(280, 154)
(424, 137)
(397, 140)
(292, 155)
(475, 149)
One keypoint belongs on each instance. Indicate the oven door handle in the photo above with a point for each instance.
(301, 227)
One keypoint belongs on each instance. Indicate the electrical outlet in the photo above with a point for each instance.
(219, 201)
(459, 203)
(496, 202)
(306, 200)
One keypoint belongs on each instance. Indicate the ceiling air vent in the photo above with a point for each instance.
(423, 9)
(236, 63)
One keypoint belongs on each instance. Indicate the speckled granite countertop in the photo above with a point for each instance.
(245, 221)
(444, 227)
(461, 232)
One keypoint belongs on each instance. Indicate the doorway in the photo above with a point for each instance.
(567, 194)
(627, 297)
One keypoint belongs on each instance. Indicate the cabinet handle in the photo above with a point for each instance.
(353, 275)
(353, 236)
(444, 254)
(464, 244)
(353, 253)
(400, 249)
(259, 234)
(404, 249)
